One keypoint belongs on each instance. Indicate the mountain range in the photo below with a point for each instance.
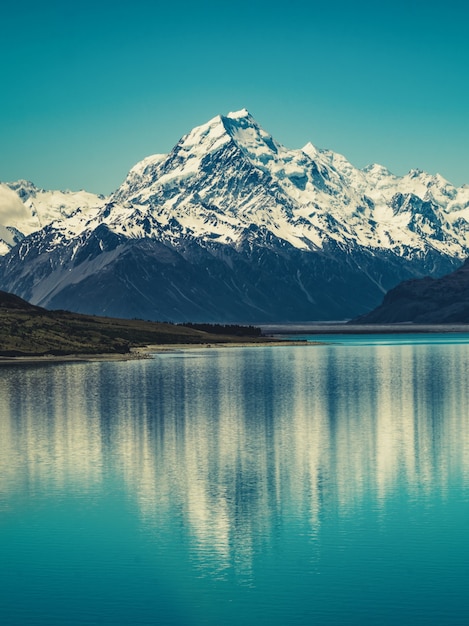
(231, 226)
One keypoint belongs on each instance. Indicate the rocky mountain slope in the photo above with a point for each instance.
(232, 226)
(425, 301)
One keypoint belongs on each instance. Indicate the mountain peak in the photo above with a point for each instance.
(376, 168)
(249, 136)
(236, 115)
(416, 173)
(311, 150)
(237, 127)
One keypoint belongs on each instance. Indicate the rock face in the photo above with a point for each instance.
(231, 226)
(425, 301)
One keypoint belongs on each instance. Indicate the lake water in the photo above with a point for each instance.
(319, 485)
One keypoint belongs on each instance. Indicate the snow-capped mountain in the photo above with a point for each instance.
(293, 193)
(25, 208)
(233, 226)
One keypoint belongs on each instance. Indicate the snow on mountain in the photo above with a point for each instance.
(298, 192)
(12, 212)
(230, 226)
(25, 208)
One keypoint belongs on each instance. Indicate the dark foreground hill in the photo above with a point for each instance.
(28, 330)
(425, 301)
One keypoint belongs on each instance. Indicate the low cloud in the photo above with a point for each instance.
(11, 207)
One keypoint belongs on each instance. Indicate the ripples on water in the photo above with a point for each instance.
(320, 485)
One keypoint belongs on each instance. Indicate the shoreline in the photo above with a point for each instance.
(274, 338)
(341, 328)
(70, 358)
(143, 352)
(274, 343)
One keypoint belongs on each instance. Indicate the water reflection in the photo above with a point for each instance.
(234, 444)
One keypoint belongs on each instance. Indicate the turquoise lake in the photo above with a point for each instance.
(319, 485)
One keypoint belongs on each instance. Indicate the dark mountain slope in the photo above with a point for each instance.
(425, 301)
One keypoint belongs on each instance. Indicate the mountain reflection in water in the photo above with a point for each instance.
(230, 448)
(237, 443)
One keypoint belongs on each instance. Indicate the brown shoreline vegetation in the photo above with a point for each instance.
(30, 334)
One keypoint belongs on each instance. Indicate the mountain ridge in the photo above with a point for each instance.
(232, 226)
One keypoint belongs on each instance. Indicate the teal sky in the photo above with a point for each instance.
(92, 87)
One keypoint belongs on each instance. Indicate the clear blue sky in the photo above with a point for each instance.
(92, 87)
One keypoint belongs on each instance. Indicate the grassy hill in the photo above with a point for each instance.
(28, 330)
